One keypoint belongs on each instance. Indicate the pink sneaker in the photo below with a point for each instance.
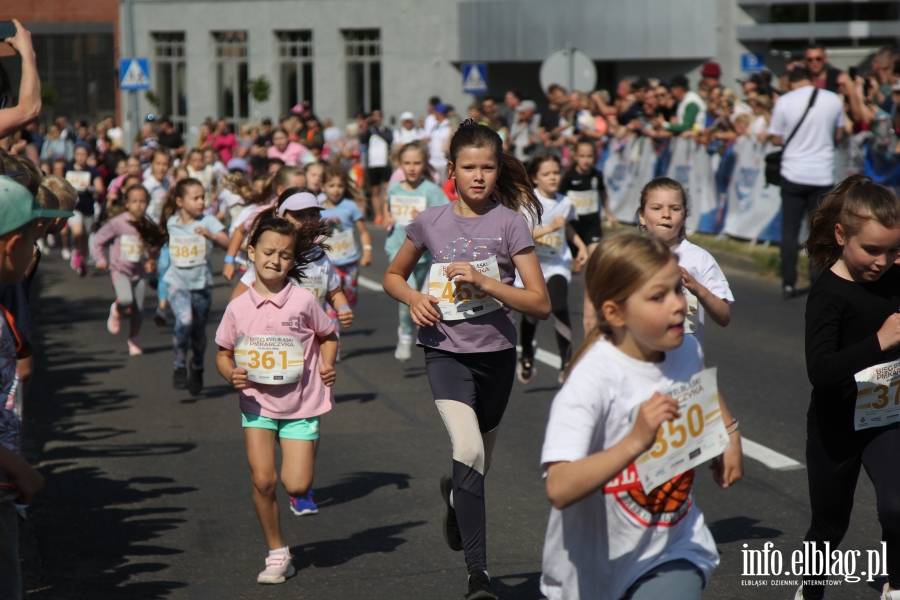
(278, 568)
(134, 347)
(75, 262)
(114, 322)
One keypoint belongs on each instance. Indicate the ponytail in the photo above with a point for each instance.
(170, 207)
(279, 178)
(238, 184)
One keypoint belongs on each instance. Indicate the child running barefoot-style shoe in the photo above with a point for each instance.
(525, 370)
(180, 379)
(451, 527)
(404, 348)
(134, 347)
(195, 381)
(278, 567)
(114, 322)
(480, 586)
(304, 505)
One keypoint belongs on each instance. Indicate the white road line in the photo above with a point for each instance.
(767, 456)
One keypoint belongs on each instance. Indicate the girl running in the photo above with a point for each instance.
(662, 213)
(133, 242)
(158, 184)
(466, 323)
(315, 174)
(87, 182)
(552, 249)
(852, 324)
(189, 277)
(583, 185)
(608, 539)
(343, 217)
(277, 347)
(406, 200)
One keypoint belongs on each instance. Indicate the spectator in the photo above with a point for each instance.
(807, 164)
(635, 109)
(246, 140)
(55, 147)
(431, 120)
(224, 141)
(510, 109)
(691, 108)
(408, 132)
(377, 138)
(440, 134)
(553, 120)
(290, 152)
(824, 76)
(523, 137)
(29, 107)
(711, 73)
(146, 144)
(170, 139)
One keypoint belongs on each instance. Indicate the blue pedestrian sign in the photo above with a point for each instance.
(134, 74)
(474, 77)
(751, 63)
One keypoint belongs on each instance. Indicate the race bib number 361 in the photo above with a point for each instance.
(187, 250)
(270, 359)
(877, 396)
(462, 300)
(694, 438)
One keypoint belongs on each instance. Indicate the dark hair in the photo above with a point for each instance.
(308, 238)
(176, 191)
(535, 165)
(799, 74)
(331, 171)
(513, 188)
(665, 183)
(434, 100)
(554, 87)
(515, 93)
(815, 47)
(680, 81)
(850, 204)
(586, 142)
(136, 187)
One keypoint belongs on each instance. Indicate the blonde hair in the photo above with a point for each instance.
(47, 199)
(743, 119)
(620, 265)
(63, 190)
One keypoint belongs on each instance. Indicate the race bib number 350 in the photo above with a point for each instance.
(694, 438)
(402, 208)
(462, 300)
(270, 359)
(877, 396)
(187, 250)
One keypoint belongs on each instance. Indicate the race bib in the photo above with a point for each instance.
(694, 438)
(586, 202)
(693, 311)
(131, 248)
(343, 246)
(270, 359)
(402, 208)
(462, 300)
(877, 396)
(550, 245)
(317, 284)
(187, 250)
(80, 180)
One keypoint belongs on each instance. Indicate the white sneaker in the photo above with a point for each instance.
(888, 594)
(278, 568)
(404, 348)
(66, 254)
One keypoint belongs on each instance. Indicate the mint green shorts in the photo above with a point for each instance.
(288, 429)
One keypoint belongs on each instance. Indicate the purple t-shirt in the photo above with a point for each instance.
(501, 233)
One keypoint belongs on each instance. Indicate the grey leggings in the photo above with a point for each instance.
(674, 580)
(130, 298)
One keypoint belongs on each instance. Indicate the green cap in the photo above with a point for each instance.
(18, 207)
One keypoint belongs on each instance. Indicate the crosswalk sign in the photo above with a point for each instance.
(134, 74)
(474, 78)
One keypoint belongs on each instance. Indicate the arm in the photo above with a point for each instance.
(576, 240)
(690, 116)
(533, 301)
(329, 348)
(104, 237)
(233, 375)
(728, 468)
(395, 283)
(719, 310)
(338, 302)
(29, 107)
(29, 481)
(221, 239)
(613, 222)
(366, 240)
(558, 222)
(234, 246)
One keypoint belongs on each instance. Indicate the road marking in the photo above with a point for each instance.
(767, 456)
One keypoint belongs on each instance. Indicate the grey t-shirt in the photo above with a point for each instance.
(501, 233)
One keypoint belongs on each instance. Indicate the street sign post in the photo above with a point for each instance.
(474, 76)
(571, 68)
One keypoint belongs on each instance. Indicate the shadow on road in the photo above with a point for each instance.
(520, 585)
(736, 529)
(359, 485)
(332, 553)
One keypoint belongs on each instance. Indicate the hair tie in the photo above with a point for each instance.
(468, 123)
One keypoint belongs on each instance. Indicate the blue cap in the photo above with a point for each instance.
(237, 163)
(441, 108)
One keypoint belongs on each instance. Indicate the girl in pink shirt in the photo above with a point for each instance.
(277, 347)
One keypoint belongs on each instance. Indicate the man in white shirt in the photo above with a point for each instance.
(430, 119)
(437, 139)
(408, 132)
(377, 138)
(807, 164)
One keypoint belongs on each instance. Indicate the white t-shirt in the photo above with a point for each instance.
(322, 267)
(377, 152)
(157, 192)
(404, 136)
(233, 204)
(562, 264)
(704, 268)
(439, 135)
(430, 123)
(597, 548)
(809, 158)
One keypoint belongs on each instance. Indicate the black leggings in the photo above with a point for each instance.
(559, 306)
(833, 468)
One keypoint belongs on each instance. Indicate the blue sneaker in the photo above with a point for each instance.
(304, 506)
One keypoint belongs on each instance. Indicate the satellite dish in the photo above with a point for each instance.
(570, 68)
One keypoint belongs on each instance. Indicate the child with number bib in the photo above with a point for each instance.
(277, 347)
(406, 200)
(852, 329)
(608, 537)
(189, 276)
(343, 217)
(583, 185)
(466, 323)
(133, 244)
(552, 238)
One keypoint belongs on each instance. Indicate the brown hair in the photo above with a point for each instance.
(851, 204)
(665, 183)
(422, 148)
(170, 206)
(64, 191)
(47, 199)
(535, 165)
(307, 236)
(350, 190)
(513, 188)
(279, 178)
(621, 264)
(31, 175)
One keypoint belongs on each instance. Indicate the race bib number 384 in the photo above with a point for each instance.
(877, 396)
(270, 359)
(187, 250)
(694, 438)
(462, 300)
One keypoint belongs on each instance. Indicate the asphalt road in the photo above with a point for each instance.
(148, 491)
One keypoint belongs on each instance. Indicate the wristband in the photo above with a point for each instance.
(345, 307)
(732, 428)
(229, 260)
(367, 247)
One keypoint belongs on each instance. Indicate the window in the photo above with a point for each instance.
(829, 12)
(789, 13)
(362, 49)
(171, 81)
(295, 53)
(232, 73)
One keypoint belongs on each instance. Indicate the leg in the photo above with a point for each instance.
(184, 323)
(261, 456)
(793, 205)
(558, 288)
(162, 266)
(880, 464)
(10, 569)
(139, 292)
(298, 463)
(527, 329)
(201, 302)
(675, 580)
(377, 204)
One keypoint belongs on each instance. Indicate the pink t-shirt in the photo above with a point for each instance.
(225, 145)
(291, 155)
(293, 312)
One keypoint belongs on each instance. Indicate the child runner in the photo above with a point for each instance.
(406, 200)
(314, 179)
(852, 324)
(343, 216)
(662, 213)
(468, 335)
(89, 185)
(284, 386)
(132, 168)
(189, 277)
(607, 540)
(158, 184)
(132, 242)
(583, 185)
(556, 261)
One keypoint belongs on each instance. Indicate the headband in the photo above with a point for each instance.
(299, 201)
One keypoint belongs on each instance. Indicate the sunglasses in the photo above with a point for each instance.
(815, 59)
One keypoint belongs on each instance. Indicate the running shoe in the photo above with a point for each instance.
(404, 348)
(888, 594)
(134, 347)
(480, 586)
(159, 317)
(114, 322)
(180, 379)
(66, 254)
(305, 505)
(195, 381)
(788, 292)
(75, 261)
(525, 370)
(278, 568)
(378, 220)
(42, 246)
(451, 527)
